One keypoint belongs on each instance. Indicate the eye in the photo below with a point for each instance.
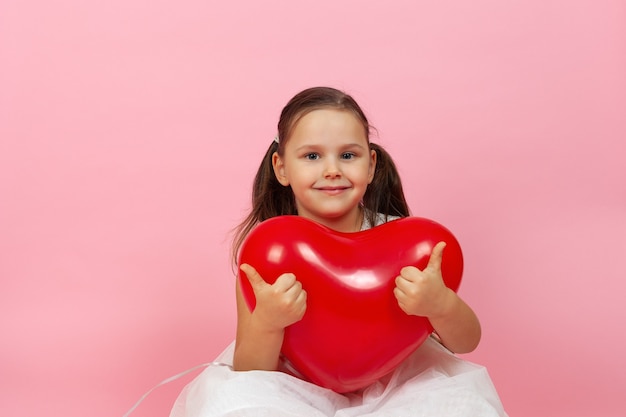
(312, 156)
(348, 155)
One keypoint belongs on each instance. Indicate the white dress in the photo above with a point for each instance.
(432, 382)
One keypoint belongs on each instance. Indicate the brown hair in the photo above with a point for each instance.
(270, 198)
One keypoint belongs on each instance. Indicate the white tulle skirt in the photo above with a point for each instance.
(431, 382)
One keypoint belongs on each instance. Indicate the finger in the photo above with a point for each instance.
(302, 297)
(400, 297)
(398, 293)
(409, 273)
(291, 292)
(436, 256)
(286, 282)
(301, 300)
(402, 283)
(253, 276)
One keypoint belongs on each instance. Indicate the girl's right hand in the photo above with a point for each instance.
(279, 304)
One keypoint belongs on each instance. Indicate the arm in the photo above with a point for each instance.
(260, 333)
(423, 293)
(457, 326)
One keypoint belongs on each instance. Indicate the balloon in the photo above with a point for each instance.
(353, 331)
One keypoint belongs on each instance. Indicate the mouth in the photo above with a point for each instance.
(332, 190)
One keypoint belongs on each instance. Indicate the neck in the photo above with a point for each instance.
(346, 224)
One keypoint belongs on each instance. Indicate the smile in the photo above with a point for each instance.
(332, 190)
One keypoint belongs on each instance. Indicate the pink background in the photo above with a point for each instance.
(130, 131)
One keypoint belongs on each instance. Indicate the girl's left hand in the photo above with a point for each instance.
(423, 293)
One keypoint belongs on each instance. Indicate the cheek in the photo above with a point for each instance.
(301, 178)
(366, 173)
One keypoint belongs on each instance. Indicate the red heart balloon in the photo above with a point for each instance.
(353, 331)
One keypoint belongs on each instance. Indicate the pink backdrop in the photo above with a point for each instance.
(130, 132)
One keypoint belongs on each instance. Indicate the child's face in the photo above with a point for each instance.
(328, 163)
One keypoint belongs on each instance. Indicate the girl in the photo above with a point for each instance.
(323, 167)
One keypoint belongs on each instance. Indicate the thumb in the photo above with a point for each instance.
(253, 276)
(436, 256)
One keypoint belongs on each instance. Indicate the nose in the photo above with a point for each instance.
(331, 169)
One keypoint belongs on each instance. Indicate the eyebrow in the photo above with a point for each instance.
(346, 146)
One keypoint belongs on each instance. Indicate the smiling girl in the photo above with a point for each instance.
(323, 167)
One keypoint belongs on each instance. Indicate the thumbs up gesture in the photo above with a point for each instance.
(279, 304)
(423, 293)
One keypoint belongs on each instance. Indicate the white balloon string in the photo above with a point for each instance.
(170, 379)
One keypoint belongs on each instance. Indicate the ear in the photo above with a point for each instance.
(372, 167)
(279, 169)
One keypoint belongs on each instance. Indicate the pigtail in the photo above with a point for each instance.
(269, 199)
(385, 195)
